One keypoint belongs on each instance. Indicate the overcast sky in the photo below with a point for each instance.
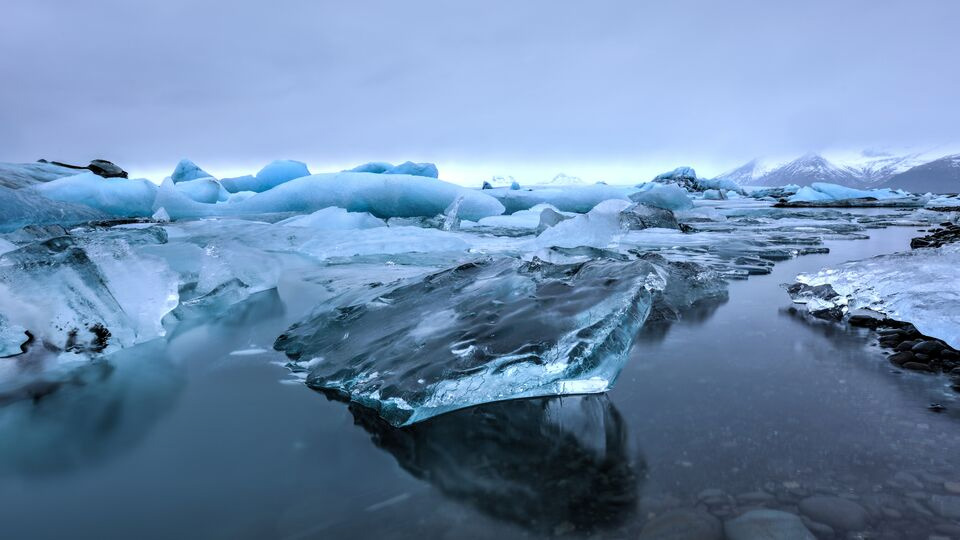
(611, 91)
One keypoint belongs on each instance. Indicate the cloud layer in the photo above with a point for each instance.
(478, 86)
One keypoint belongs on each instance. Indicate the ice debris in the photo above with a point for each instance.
(919, 287)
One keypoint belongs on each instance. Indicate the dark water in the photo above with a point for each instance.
(189, 441)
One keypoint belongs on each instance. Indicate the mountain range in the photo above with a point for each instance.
(916, 172)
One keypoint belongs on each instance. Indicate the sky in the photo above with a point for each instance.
(606, 90)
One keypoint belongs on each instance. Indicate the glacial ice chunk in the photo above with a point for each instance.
(383, 241)
(383, 195)
(428, 170)
(489, 330)
(20, 175)
(115, 196)
(680, 173)
(600, 227)
(666, 196)
(22, 207)
(240, 184)
(376, 167)
(86, 294)
(822, 191)
(187, 170)
(334, 218)
(578, 199)
(279, 171)
(521, 220)
(604, 226)
(203, 190)
(920, 287)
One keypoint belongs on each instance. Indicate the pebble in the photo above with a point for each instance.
(755, 497)
(767, 525)
(683, 525)
(947, 506)
(835, 512)
(916, 366)
(901, 358)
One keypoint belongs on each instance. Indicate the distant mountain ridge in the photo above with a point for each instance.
(867, 170)
(938, 176)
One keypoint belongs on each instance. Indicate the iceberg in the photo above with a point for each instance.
(822, 193)
(428, 170)
(334, 218)
(240, 184)
(20, 175)
(677, 175)
(279, 171)
(666, 196)
(22, 207)
(489, 330)
(522, 221)
(383, 241)
(384, 196)
(118, 197)
(600, 227)
(203, 190)
(88, 294)
(376, 167)
(187, 170)
(579, 199)
(920, 287)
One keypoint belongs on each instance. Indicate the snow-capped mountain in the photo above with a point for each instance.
(564, 180)
(938, 176)
(866, 169)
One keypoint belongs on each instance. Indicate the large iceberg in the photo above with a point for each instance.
(19, 175)
(578, 199)
(428, 170)
(115, 196)
(488, 330)
(204, 190)
(921, 287)
(21, 207)
(666, 196)
(822, 193)
(88, 293)
(384, 196)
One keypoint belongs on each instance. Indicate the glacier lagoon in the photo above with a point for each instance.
(719, 398)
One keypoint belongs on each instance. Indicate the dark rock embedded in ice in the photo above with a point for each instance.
(641, 216)
(542, 463)
(485, 331)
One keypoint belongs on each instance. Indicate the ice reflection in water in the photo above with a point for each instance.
(543, 463)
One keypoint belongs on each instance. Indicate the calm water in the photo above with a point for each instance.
(191, 441)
